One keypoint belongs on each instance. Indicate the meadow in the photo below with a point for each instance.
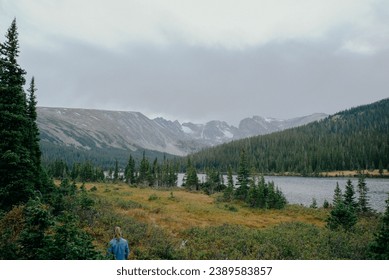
(178, 224)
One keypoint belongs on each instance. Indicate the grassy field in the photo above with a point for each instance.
(178, 209)
(158, 222)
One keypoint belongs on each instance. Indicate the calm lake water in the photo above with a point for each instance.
(301, 190)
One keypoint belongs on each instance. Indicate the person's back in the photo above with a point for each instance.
(118, 246)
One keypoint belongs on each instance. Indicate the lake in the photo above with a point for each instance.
(301, 190)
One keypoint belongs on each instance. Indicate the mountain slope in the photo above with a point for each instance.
(84, 131)
(97, 129)
(353, 139)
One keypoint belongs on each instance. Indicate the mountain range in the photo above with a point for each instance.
(89, 129)
(353, 139)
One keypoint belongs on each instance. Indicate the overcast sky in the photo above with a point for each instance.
(200, 60)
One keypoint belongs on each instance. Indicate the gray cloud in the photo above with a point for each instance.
(203, 60)
(283, 80)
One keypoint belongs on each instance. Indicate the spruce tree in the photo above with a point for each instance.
(349, 195)
(33, 137)
(342, 216)
(144, 170)
(130, 171)
(262, 193)
(379, 248)
(191, 179)
(253, 194)
(243, 177)
(17, 174)
(363, 199)
(172, 174)
(116, 172)
(228, 193)
(32, 117)
(338, 196)
(343, 213)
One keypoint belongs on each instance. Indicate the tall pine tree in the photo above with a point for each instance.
(349, 195)
(130, 171)
(363, 199)
(228, 193)
(33, 136)
(243, 177)
(191, 179)
(17, 170)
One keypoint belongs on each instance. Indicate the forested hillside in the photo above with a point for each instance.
(357, 138)
(104, 158)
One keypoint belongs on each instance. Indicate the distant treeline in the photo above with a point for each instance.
(146, 173)
(354, 139)
(104, 158)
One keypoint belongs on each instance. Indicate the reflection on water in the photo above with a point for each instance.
(301, 190)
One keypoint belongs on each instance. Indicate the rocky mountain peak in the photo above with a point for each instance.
(96, 129)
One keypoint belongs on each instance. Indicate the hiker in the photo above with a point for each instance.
(118, 246)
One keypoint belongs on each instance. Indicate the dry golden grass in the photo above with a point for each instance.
(176, 210)
(353, 173)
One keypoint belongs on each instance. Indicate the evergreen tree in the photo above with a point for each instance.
(262, 193)
(154, 170)
(116, 172)
(349, 195)
(33, 135)
(363, 199)
(68, 242)
(213, 183)
(130, 171)
(32, 238)
(17, 170)
(326, 204)
(172, 175)
(144, 170)
(253, 195)
(343, 214)
(243, 177)
(191, 178)
(228, 193)
(313, 204)
(280, 201)
(379, 248)
(338, 196)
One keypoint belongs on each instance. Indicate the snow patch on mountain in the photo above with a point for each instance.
(98, 129)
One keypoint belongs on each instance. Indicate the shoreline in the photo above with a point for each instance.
(335, 174)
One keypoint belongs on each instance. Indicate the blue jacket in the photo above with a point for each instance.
(119, 248)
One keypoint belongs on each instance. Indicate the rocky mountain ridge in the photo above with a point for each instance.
(98, 129)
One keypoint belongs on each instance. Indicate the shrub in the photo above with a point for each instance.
(153, 197)
(231, 208)
(379, 248)
(291, 241)
(342, 216)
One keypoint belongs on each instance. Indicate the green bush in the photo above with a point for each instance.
(127, 204)
(231, 208)
(291, 241)
(379, 247)
(153, 197)
(342, 216)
